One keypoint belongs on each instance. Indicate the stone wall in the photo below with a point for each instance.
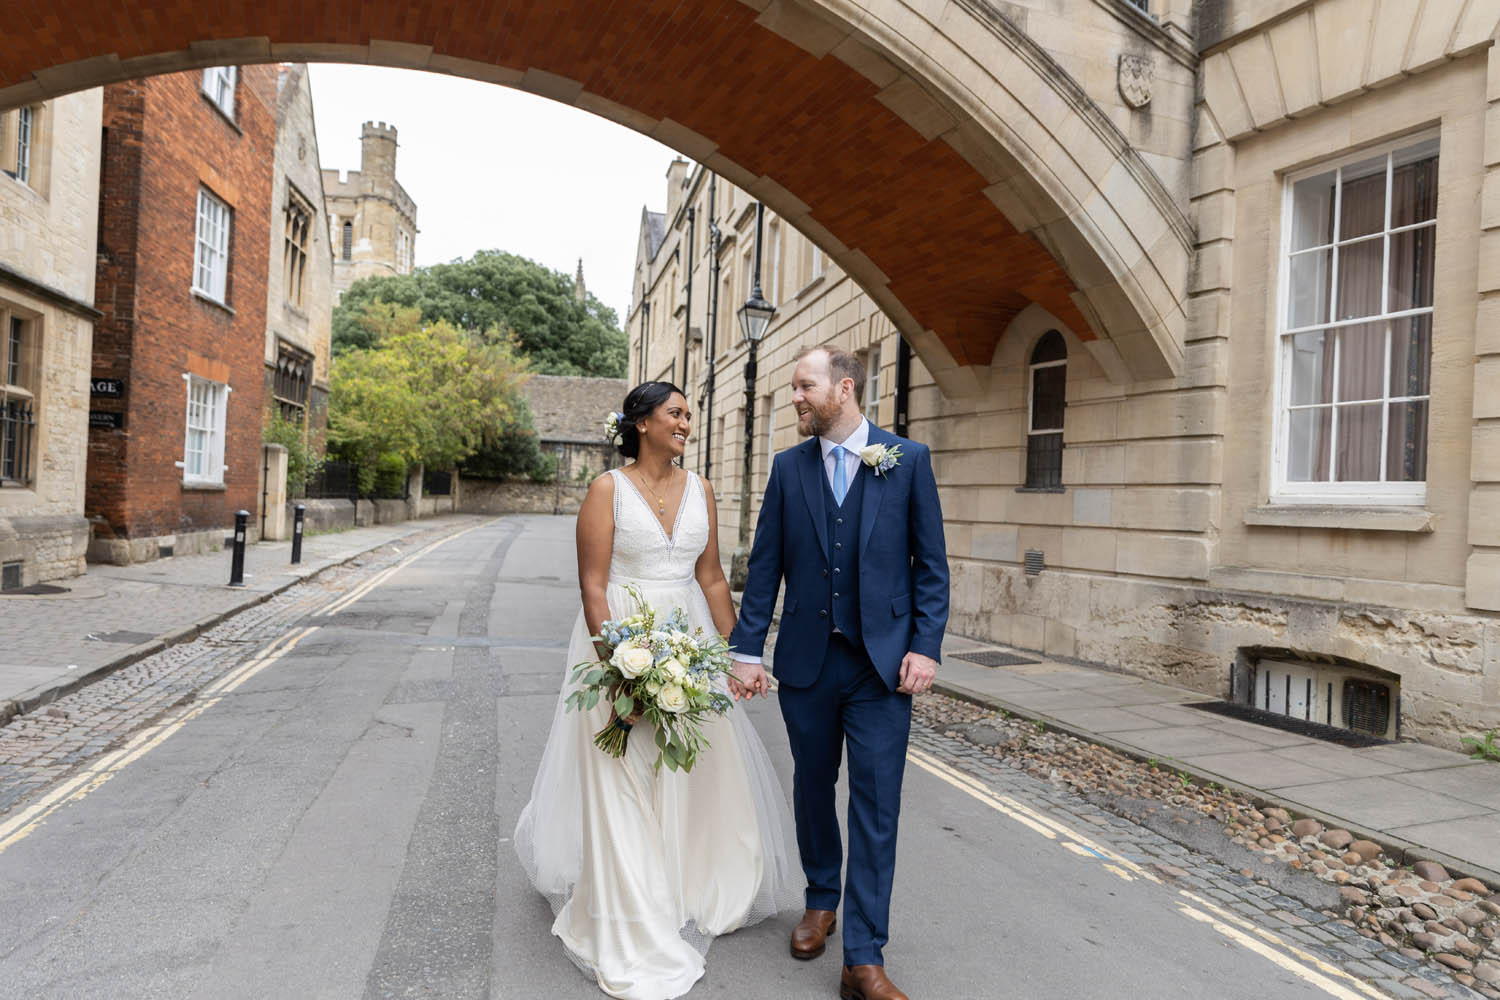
(520, 496)
(47, 257)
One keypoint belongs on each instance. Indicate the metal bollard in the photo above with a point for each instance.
(297, 518)
(237, 564)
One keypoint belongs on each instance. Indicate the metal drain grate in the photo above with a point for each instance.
(994, 658)
(1286, 723)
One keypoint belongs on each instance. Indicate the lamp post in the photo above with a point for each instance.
(755, 317)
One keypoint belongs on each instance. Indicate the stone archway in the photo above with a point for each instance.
(939, 154)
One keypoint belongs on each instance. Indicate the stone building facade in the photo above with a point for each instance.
(568, 412)
(372, 221)
(49, 197)
(185, 207)
(1305, 515)
(299, 287)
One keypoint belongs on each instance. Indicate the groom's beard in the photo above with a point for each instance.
(817, 422)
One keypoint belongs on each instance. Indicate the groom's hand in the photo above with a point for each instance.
(746, 680)
(917, 672)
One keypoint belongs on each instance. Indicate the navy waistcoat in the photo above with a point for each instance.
(843, 555)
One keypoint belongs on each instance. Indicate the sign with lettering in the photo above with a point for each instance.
(106, 421)
(112, 387)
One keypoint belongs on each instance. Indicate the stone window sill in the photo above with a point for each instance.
(1041, 489)
(197, 487)
(1415, 519)
(202, 296)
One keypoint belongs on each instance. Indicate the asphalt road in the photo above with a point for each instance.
(333, 820)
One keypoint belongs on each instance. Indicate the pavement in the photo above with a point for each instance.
(1417, 801)
(112, 616)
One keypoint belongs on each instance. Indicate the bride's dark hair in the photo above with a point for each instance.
(639, 404)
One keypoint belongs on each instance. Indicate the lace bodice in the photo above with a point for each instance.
(642, 550)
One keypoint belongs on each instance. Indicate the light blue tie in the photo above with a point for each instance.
(840, 475)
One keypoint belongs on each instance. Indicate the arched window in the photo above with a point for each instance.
(1044, 441)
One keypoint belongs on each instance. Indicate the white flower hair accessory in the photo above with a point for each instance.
(612, 426)
(881, 458)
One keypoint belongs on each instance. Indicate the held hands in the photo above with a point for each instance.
(917, 672)
(746, 680)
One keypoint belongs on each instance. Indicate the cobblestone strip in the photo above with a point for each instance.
(43, 746)
(1333, 939)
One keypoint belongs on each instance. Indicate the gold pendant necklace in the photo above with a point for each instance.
(661, 501)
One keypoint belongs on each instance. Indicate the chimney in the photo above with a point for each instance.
(676, 184)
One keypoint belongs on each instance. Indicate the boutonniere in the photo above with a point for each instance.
(881, 458)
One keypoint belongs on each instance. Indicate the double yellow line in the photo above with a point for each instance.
(1299, 962)
(342, 603)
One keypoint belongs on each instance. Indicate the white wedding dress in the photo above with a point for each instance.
(644, 868)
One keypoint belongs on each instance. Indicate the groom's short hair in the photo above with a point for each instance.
(842, 364)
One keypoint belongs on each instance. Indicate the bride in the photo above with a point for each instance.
(644, 867)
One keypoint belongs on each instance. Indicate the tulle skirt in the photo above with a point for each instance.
(644, 868)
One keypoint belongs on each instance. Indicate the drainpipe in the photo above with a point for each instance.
(903, 384)
(687, 323)
(713, 333)
(645, 332)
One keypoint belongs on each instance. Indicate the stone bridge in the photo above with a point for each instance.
(961, 159)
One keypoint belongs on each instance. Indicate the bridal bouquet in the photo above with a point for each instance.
(658, 668)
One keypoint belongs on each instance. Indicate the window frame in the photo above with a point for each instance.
(218, 79)
(213, 452)
(870, 405)
(1032, 432)
(1331, 492)
(297, 219)
(19, 388)
(216, 252)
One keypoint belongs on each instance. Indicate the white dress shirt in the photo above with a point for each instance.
(853, 445)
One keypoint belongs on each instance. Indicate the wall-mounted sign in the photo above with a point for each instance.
(112, 387)
(106, 421)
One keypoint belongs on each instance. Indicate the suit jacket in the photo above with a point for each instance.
(903, 564)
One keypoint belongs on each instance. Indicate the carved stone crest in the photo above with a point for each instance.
(1136, 74)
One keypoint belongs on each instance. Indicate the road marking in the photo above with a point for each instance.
(74, 789)
(342, 603)
(1313, 976)
(1327, 977)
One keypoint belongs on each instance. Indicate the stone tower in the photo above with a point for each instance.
(372, 221)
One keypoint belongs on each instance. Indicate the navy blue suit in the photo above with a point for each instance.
(875, 568)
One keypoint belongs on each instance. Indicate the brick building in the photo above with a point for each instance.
(568, 412)
(185, 205)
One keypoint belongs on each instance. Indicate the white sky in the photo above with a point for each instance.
(492, 168)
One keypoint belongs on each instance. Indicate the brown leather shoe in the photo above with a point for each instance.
(868, 982)
(811, 935)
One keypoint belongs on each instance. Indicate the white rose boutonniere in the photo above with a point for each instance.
(881, 458)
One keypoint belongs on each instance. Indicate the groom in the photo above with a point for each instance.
(851, 522)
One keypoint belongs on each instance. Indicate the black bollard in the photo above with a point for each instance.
(297, 518)
(237, 565)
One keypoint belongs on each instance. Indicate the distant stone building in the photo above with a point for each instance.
(299, 285)
(372, 221)
(569, 413)
(49, 197)
(185, 214)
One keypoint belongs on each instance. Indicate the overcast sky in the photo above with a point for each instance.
(495, 168)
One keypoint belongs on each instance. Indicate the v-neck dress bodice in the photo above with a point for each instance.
(643, 868)
(643, 552)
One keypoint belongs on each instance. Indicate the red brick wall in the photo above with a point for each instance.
(163, 140)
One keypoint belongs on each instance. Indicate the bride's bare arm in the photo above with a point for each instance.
(596, 539)
(710, 571)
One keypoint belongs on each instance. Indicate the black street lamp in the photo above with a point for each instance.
(755, 318)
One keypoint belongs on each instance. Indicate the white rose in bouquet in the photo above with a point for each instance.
(631, 658)
(672, 699)
(673, 670)
(653, 688)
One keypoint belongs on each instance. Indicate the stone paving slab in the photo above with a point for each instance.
(54, 644)
(1419, 801)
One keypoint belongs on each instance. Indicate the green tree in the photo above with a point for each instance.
(427, 392)
(496, 291)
